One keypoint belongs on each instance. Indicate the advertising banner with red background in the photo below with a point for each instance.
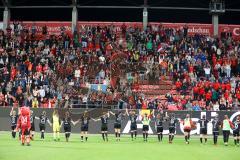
(234, 29)
(54, 27)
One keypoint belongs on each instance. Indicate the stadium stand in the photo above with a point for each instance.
(160, 68)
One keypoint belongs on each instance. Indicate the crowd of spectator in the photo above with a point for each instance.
(54, 70)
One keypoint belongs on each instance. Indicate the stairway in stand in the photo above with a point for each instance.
(150, 88)
(157, 90)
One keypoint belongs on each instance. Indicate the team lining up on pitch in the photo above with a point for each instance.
(24, 122)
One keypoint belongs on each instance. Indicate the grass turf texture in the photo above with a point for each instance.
(96, 149)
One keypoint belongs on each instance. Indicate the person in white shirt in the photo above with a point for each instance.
(85, 100)
(228, 70)
(233, 85)
(71, 83)
(102, 59)
(77, 73)
(42, 92)
(35, 92)
(46, 51)
(101, 74)
(120, 41)
(207, 71)
(219, 51)
(40, 44)
(106, 81)
(216, 106)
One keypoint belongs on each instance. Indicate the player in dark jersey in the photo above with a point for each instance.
(42, 124)
(203, 128)
(172, 126)
(66, 122)
(117, 124)
(104, 128)
(133, 119)
(14, 119)
(216, 124)
(32, 121)
(236, 131)
(84, 120)
(159, 119)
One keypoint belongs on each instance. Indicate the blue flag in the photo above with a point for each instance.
(99, 87)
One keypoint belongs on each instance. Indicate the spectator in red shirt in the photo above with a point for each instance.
(201, 92)
(207, 84)
(195, 92)
(191, 70)
(238, 95)
(223, 86)
(13, 73)
(228, 86)
(178, 85)
(226, 94)
(202, 104)
(214, 59)
(208, 97)
(216, 85)
(39, 68)
(45, 68)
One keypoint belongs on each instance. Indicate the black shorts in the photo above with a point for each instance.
(32, 127)
(117, 126)
(104, 128)
(187, 130)
(172, 130)
(42, 127)
(67, 128)
(145, 127)
(13, 127)
(235, 133)
(215, 133)
(133, 127)
(159, 129)
(203, 131)
(84, 128)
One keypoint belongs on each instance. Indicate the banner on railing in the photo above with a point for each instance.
(98, 87)
(54, 27)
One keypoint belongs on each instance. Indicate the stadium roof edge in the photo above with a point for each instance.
(119, 7)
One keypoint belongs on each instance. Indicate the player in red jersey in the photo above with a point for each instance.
(25, 124)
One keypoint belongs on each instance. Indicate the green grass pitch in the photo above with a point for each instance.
(96, 149)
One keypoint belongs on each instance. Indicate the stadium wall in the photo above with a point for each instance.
(193, 28)
(94, 127)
